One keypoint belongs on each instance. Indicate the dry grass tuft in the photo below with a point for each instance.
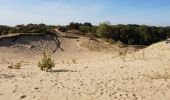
(15, 66)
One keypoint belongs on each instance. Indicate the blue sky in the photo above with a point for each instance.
(149, 12)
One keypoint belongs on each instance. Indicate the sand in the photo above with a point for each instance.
(85, 70)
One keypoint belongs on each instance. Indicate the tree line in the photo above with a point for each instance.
(133, 34)
(29, 28)
(129, 34)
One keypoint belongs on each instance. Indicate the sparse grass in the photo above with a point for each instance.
(161, 76)
(74, 61)
(46, 63)
(11, 66)
(164, 74)
(15, 66)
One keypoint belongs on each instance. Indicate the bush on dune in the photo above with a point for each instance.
(46, 63)
(104, 30)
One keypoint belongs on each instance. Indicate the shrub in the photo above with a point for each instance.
(104, 30)
(62, 28)
(46, 63)
(86, 29)
(74, 26)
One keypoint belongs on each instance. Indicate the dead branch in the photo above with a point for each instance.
(57, 42)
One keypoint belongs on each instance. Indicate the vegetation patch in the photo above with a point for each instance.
(46, 63)
(130, 34)
(15, 66)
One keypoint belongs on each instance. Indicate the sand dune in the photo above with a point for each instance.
(98, 73)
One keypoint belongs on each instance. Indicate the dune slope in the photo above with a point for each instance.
(85, 70)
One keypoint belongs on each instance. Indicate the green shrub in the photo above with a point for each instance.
(104, 30)
(86, 29)
(74, 26)
(46, 64)
(62, 28)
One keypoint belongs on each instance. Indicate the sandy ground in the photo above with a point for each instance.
(98, 73)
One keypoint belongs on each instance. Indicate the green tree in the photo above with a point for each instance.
(104, 30)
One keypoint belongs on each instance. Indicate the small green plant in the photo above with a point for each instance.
(46, 64)
(15, 66)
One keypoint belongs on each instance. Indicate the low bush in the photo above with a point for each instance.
(46, 64)
(104, 30)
